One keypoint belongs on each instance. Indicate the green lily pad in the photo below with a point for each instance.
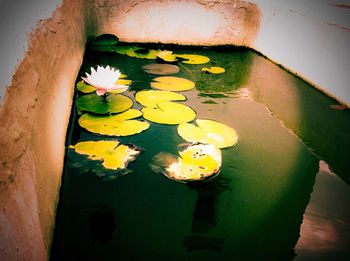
(172, 83)
(209, 132)
(114, 125)
(113, 103)
(193, 58)
(169, 113)
(213, 70)
(161, 68)
(150, 98)
(113, 154)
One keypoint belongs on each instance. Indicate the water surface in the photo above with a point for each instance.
(253, 210)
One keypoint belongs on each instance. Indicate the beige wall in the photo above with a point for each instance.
(35, 112)
(34, 117)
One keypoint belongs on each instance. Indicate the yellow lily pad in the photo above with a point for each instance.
(166, 56)
(172, 83)
(114, 125)
(209, 132)
(193, 58)
(169, 113)
(196, 162)
(150, 98)
(85, 88)
(113, 154)
(213, 70)
(113, 103)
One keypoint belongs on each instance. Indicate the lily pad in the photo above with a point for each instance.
(87, 88)
(172, 83)
(114, 125)
(113, 154)
(150, 98)
(209, 132)
(196, 162)
(161, 68)
(137, 52)
(169, 113)
(213, 70)
(113, 103)
(193, 58)
(166, 56)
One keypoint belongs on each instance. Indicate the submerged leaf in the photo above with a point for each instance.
(150, 98)
(213, 70)
(209, 132)
(161, 68)
(113, 154)
(169, 113)
(196, 162)
(114, 125)
(172, 83)
(113, 103)
(193, 58)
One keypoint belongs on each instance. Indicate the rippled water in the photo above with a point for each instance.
(270, 201)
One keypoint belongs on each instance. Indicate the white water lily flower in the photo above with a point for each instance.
(104, 79)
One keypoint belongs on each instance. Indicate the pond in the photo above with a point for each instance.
(255, 205)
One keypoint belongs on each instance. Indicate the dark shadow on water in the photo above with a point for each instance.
(102, 226)
(204, 215)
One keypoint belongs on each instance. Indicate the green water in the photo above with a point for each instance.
(252, 210)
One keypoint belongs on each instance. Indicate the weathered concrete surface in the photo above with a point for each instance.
(35, 112)
(185, 22)
(311, 39)
(34, 118)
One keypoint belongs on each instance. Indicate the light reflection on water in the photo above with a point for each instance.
(252, 210)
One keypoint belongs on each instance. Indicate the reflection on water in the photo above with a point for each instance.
(252, 210)
(325, 232)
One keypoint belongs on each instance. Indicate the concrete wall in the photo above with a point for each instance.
(310, 38)
(35, 111)
(34, 117)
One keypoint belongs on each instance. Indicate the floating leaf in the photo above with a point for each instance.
(161, 68)
(104, 43)
(86, 88)
(150, 98)
(169, 113)
(114, 125)
(196, 162)
(172, 83)
(113, 103)
(166, 56)
(213, 70)
(137, 52)
(113, 154)
(193, 58)
(208, 132)
(105, 39)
